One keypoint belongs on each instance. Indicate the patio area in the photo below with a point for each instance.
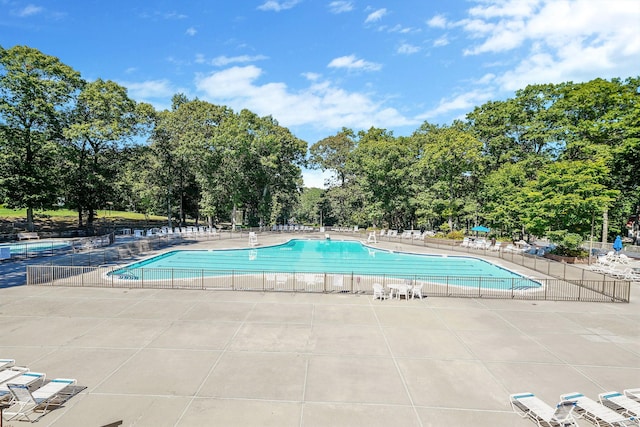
(193, 358)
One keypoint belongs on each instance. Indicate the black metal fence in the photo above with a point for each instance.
(265, 281)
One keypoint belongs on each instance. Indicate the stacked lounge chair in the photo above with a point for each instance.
(530, 406)
(596, 413)
(620, 403)
(23, 392)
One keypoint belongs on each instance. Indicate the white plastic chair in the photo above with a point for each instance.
(416, 291)
(378, 291)
(253, 238)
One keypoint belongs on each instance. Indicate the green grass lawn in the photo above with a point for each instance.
(69, 215)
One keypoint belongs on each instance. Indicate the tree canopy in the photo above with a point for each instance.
(554, 159)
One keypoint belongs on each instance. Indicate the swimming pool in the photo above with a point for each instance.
(330, 256)
(35, 247)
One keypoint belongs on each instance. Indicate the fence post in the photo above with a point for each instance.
(580, 291)
(613, 296)
(548, 267)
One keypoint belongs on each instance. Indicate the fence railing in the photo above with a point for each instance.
(560, 270)
(267, 281)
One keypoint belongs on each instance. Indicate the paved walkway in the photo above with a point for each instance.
(196, 358)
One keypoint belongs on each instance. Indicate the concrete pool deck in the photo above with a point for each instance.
(197, 358)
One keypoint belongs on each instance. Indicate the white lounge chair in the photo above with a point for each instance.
(26, 403)
(596, 413)
(6, 363)
(633, 393)
(8, 374)
(528, 405)
(620, 403)
(25, 378)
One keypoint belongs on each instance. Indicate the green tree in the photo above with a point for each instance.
(104, 118)
(381, 163)
(566, 196)
(36, 92)
(332, 153)
(448, 166)
(501, 192)
(311, 206)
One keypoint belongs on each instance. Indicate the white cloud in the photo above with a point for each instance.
(150, 89)
(29, 10)
(352, 63)
(221, 61)
(441, 41)
(376, 15)
(321, 105)
(402, 30)
(408, 49)
(552, 41)
(340, 7)
(311, 76)
(191, 31)
(276, 6)
(438, 21)
(462, 102)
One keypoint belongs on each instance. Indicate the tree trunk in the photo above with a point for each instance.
(605, 226)
(169, 212)
(233, 218)
(30, 226)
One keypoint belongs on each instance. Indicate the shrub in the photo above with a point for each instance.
(568, 244)
(455, 235)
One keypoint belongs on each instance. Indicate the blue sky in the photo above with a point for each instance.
(319, 65)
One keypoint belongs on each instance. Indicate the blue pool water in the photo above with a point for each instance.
(330, 256)
(33, 247)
